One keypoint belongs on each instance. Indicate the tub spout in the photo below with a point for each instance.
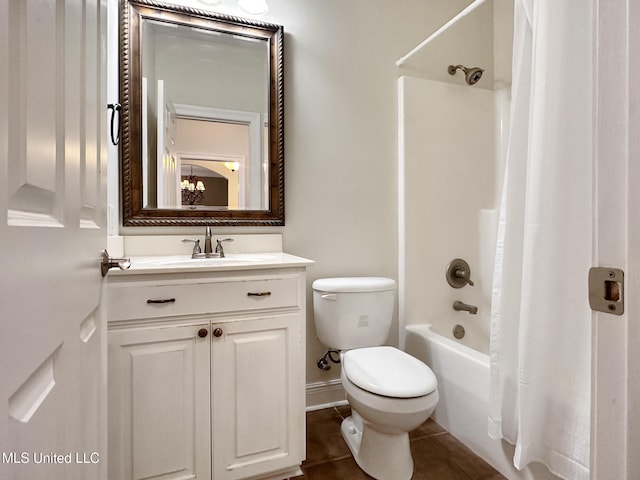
(458, 306)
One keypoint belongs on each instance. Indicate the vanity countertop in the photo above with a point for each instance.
(232, 261)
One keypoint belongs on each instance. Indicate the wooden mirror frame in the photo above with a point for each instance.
(133, 212)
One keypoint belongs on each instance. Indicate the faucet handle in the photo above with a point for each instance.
(196, 245)
(464, 274)
(219, 248)
(458, 273)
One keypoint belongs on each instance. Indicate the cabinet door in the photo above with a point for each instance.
(159, 420)
(257, 397)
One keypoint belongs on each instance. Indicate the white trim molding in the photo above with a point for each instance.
(325, 395)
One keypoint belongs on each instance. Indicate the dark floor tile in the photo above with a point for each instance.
(468, 461)
(431, 462)
(344, 469)
(427, 429)
(343, 410)
(324, 440)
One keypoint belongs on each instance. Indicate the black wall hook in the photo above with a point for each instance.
(115, 107)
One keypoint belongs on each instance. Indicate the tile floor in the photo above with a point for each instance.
(437, 455)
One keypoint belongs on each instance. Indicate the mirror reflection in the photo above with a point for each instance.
(205, 97)
(202, 94)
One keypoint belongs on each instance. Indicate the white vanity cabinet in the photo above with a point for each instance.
(207, 380)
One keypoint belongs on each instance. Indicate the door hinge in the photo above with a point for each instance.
(606, 290)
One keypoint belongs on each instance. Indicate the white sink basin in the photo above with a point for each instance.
(187, 261)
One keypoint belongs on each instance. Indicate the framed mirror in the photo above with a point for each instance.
(202, 139)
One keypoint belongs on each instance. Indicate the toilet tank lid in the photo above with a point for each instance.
(388, 371)
(354, 284)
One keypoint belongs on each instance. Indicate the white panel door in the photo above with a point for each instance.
(52, 229)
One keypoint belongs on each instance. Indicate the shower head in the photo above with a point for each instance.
(471, 75)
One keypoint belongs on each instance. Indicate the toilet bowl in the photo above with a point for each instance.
(404, 395)
(389, 391)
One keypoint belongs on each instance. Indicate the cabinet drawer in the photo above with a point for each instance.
(134, 300)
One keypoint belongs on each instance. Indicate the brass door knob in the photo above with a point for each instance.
(217, 332)
(203, 332)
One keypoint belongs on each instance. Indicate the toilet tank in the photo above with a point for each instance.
(353, 312)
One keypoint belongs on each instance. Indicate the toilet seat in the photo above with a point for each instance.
(389, 372)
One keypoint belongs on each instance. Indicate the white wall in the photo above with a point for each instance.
(341, 130)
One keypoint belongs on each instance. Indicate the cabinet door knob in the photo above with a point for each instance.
(203, 332)
(217, 332)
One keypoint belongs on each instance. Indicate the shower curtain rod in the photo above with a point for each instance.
(470, 8)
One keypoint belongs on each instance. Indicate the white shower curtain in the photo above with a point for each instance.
(540, 320)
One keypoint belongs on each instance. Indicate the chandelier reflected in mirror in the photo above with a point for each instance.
(192, 189)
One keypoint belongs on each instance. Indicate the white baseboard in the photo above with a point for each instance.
(325, 395)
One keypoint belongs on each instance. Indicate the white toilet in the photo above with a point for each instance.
(390, 392)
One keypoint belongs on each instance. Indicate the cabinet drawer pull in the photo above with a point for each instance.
(258, 294)
(203, 332)
(217, 332)
(162, 300)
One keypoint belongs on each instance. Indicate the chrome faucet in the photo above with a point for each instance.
(219, 249)
(208, 249)
(207, 242)
(458, 306)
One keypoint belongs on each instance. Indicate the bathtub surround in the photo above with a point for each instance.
(540, 322)
(448, 166)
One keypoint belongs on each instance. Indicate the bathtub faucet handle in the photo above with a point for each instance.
(458, 273)
(464, 274)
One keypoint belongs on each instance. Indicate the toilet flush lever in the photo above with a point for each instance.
(329, 296)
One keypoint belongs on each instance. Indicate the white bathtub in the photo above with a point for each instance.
(463, 409)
